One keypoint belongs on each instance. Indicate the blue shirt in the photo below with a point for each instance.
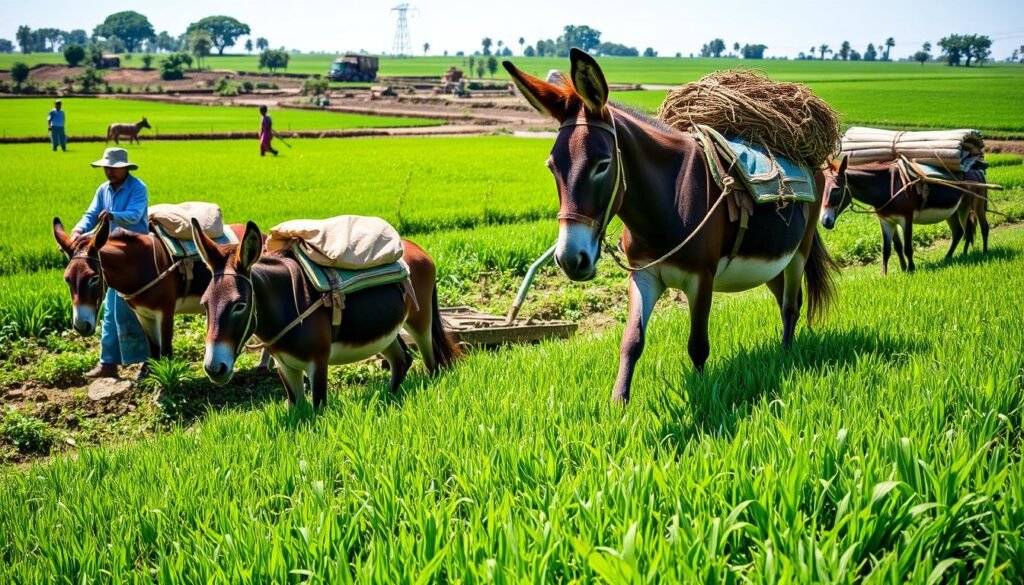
(129, 207)
(56, 118)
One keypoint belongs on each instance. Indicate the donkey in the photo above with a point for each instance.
(674, 227)
(270, 297)
(114, 131)
(138, 267)
(899, 205)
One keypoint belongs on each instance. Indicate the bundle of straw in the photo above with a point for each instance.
(785, 117)
(952, 149)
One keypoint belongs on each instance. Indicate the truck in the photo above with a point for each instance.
(354, 67)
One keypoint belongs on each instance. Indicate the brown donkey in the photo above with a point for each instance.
(270, 297)
(608, 161)
(114, 131)
(138, 267)
(899, 206)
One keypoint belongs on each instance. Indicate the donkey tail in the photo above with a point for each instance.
(819, 273)
(446, 351)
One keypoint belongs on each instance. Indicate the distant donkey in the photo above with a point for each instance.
(131, 130)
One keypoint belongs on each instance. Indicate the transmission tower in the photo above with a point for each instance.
(402, 45)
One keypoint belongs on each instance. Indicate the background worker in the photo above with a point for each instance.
(55, 125)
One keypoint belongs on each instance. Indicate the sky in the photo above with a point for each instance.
(787, 27)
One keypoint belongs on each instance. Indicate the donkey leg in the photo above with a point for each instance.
(699, 300)
(293, 380)
(786, 289)
(908, 245)
(166, 334)
(897, 245)
(887, 231)
(317, 374)
(397, 355)
(644, 291)
(957, 230)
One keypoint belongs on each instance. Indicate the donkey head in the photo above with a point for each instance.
(228, 301)
(835, 196)
(84, 273)
(144, 123)
(585, 160)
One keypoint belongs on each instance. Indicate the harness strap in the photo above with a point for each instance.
(302, 317)
(152, 283)
(619, 174)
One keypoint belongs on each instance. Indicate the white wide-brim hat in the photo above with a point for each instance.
(115, 158)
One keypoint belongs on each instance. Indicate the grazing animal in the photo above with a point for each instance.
(608, 161)
(138, 267)
(900, 206)
(114, 131)
(265, 295)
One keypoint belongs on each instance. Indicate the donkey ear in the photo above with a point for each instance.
(589, 80)
(63, 239)
(251, 248)
(204, 245)
(99, 239)
(543, 96)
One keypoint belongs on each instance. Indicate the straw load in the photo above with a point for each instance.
(784, 117)
(954, 150)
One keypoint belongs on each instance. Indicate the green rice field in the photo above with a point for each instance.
(90, 117)
(884, 446)
(868, 452)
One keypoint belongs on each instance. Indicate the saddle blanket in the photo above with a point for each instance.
(766, 177)
(326, 279)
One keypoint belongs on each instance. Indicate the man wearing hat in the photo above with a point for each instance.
(55, 124)
(125, 200)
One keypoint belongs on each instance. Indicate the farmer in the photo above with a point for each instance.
(266, 133)
(125, 200)
(55, 125)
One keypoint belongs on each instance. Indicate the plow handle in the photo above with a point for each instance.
(527, 281)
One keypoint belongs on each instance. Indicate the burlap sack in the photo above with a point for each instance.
(350, 242)
(175, 218)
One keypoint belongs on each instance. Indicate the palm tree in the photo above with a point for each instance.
(824, 49)
(426, 47)
(889, 43)
(736, 47)
(522, 42)
(248, 46)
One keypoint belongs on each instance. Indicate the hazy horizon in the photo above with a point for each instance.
(787, 28)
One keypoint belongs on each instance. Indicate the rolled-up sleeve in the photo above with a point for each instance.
(136, 208)
(92, 214)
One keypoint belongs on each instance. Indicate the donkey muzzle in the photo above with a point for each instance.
(219, 363)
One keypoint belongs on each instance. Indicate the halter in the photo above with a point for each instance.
(619, 175)
(99, 271)
(251, 321)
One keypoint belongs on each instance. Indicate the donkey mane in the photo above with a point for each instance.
(643, 116)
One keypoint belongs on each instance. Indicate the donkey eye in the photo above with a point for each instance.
(239, 307)
(602, 167)
(94, 280)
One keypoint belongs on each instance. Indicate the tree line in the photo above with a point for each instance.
(583, 37)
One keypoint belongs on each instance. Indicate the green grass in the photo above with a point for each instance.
(27, 117)
(465, 183)
(884, 446)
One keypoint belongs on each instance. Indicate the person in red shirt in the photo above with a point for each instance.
(266, 133)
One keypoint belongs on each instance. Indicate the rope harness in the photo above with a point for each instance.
(727, 188)
(99, 271)
(252, 320)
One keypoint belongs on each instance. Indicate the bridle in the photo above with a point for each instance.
(619, 176)
(99, 271)
(251, 320)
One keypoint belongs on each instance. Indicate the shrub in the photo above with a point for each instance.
(173, 66)
(266, 85)
(74, 54)
(63, 370)
(247, 86)
(90, 79)
(314, 86)
(19, 73)
(147, 61)
(226, 87)
(27, 433)
(274, 59)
